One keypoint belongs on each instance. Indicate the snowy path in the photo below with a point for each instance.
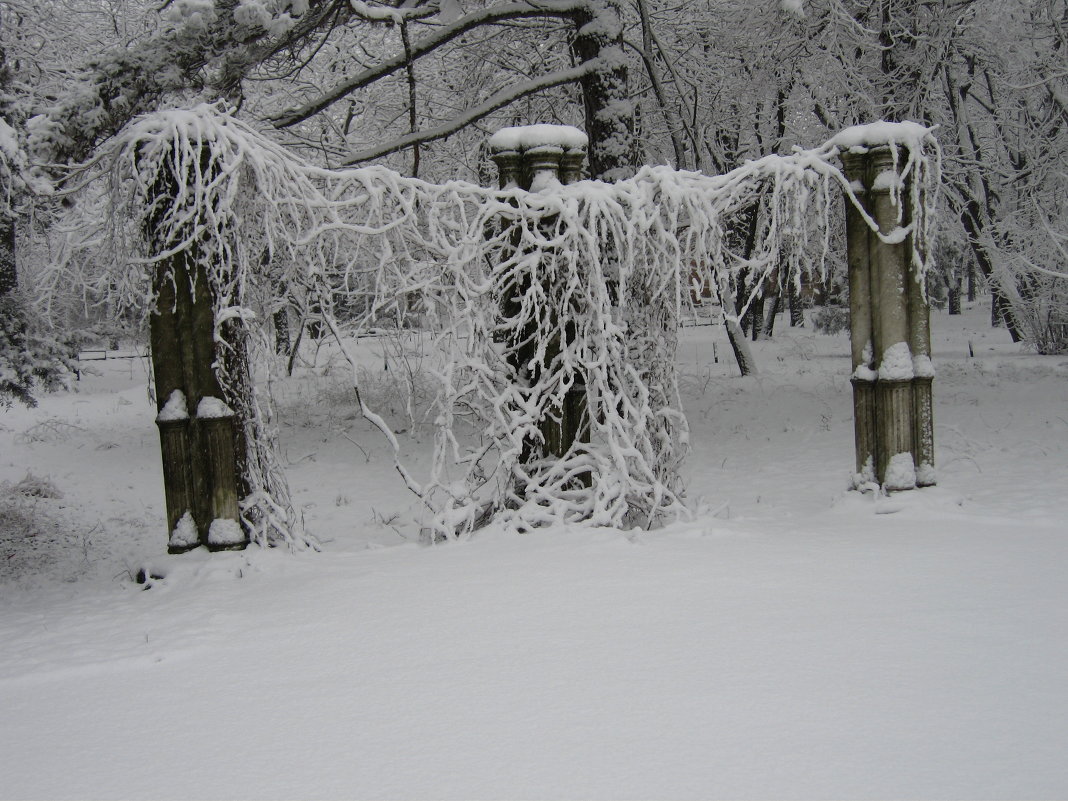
(797, 641)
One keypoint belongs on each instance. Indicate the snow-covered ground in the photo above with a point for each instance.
(795, 640)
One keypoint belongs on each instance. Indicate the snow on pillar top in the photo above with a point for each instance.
(861, 138)
(523, 138)
(538, 157)
(211, 408)
(175, 409)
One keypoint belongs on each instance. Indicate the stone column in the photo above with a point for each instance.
(861, 335)
(889, 329)
(576, 402)
(923, 377)
(199, 460)
(174, 442)
(539, 158)
(216, 422)
(542, 165)
(507, 162)
(895, 462)
(571, 164)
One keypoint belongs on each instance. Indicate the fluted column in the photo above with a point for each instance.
(861, 336)
(889, 328)
(541, 158)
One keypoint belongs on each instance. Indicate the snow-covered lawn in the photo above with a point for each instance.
(794, 640)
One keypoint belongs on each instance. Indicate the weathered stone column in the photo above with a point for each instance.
(923, 378)
(199, 460)
(889, 327)
(542, 164)
(571, 164)
(539, 158)
(174, 440)
(507, 162)
(216, 421)
(576, 403)
(861, 335)
(890, 258)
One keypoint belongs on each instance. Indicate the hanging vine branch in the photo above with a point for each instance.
(458, 247)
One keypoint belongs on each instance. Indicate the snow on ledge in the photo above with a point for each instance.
(886, 181)
(900, 472)
(859, 138)
(528, 137)
(922, 366)
(897, 363)
(865, 373)
(211, 408)
(926, 475)
(185, 533)
(174, 408)
(224, 531)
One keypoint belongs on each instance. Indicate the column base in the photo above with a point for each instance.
(894, 436)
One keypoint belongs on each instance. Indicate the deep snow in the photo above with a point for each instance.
(795, 640)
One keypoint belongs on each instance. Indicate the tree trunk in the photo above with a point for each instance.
(605, 99)
(1001, 311)
(236, 359)
(980, 208)
(797, 305)
(743, 355)
(953, 294)
(281, 331)
(771, 312)
(756, 317)
(9, 278)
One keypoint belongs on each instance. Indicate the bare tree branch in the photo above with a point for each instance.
(488, 106)
(476, 19)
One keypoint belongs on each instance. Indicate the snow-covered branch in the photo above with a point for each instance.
(496, 101)
(490, 15)
(392, 14)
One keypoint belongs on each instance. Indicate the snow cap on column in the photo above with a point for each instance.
(529, 137)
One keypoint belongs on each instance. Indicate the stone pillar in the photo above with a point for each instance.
(895, 459)
(540, 158)
(199, 459)
(542, 166)
(216, 421)
(576, 418)
(571, 164)
(174, 442)
(889, 330)
(507, 162)
(923, 377)
(861, 335)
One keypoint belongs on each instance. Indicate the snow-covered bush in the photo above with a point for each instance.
(1040, 309)
(31, 358)
(37, 487)
(831, 319)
